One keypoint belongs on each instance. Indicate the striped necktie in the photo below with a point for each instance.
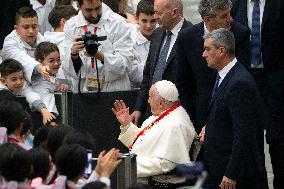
(255, 35)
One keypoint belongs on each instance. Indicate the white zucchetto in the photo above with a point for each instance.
(167, 90)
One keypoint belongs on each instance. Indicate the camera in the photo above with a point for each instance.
(91, 42)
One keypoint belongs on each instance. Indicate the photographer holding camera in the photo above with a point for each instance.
(96, 26)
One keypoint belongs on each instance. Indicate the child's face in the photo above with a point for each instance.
(14, 81)
(53, 61)
(147, 24)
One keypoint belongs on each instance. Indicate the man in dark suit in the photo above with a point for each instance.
(194, 78)
(268, 16)
(231, 150)
(161, 61)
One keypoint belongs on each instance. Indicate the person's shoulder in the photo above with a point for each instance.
(238, 28)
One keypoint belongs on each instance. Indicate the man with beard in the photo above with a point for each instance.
(115, 55)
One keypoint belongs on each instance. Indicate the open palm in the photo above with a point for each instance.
(121, 112)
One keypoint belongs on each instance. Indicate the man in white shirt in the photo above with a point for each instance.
(115, 55)
(20, 44)
(164, 138)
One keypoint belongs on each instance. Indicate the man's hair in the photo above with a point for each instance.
(80, 2)
(59, 12)
(44, 49)
(209, 7)
(25, 12)
(10, 66)
(223, 38)
(15, 162)
(12, 115)
(71, 160)
(146, 7)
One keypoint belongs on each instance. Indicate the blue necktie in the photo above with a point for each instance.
(255, 35)
(161, 64)
(215, 86)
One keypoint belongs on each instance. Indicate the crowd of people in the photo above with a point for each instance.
(219, 82)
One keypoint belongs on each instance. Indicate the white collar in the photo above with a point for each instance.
(260, 1)
(39, 39)
(36, 4)
(177, 27)
(81, 22)
(206, 31)
(222, 73)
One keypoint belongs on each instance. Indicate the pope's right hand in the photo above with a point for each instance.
(121, 112)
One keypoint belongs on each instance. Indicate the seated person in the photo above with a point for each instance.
(164, 138)
(71, 161)
(15, 166)
(48, 55)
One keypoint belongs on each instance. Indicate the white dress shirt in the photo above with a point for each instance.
(174, 36)
(222, 73)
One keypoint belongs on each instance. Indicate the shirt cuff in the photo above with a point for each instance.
(105, 180)
(124, 129)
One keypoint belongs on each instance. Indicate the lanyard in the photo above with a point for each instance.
(172, 108)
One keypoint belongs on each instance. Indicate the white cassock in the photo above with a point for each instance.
(164, 145)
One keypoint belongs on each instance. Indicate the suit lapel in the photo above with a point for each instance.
(158, 42)
(224, 84)
(267, 9)
(174, 48)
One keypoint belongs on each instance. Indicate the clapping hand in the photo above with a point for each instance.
(121, 112)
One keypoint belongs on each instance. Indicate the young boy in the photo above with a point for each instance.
(48, 55)
(20, 44)
(12, 83)
(140, 35)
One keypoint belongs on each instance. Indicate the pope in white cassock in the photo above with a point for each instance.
(164, 139)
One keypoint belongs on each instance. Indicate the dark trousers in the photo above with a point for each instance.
(276, 151)
(252, 182)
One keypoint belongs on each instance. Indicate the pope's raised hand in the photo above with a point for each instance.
(121, 112)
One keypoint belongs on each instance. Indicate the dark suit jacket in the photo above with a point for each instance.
(235, 116)
(194, 79)
(272, 48)
(169, 73)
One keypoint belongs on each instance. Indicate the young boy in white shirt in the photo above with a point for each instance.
(140, 34)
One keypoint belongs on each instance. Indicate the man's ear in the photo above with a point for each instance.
(3, 80)
(16, 27)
